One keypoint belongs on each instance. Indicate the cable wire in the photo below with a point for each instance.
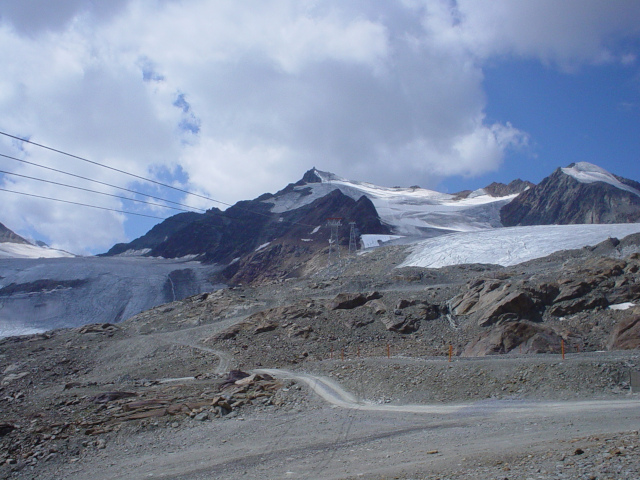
(95, 191)
(99, 182)
(77, 157)
(81, 204)
(143, 178)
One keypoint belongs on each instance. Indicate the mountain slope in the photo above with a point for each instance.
(580, 193)
(8, 236)
(226, 238)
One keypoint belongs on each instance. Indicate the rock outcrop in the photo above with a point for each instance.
(522, 336)
(626, 335)
(598, 283)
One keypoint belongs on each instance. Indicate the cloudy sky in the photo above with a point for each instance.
(233, 99)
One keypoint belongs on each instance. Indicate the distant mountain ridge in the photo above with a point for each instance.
(581, 193)
(274, 235)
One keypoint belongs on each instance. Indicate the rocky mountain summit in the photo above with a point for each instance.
(579, 193)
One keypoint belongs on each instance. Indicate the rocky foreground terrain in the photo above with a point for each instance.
(454, 373)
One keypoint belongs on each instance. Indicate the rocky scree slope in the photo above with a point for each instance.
(477, 309)
(65, 394)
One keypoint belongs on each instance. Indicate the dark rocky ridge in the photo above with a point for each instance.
(562, 200)
(501, 190)
(253, 241)
(8, 236)
(497, 189)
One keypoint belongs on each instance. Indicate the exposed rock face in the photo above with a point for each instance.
(525, 336)
(8, 236)
(598, 283)
(560, 199)
(501, 190)
(491, 301)
(626, 335)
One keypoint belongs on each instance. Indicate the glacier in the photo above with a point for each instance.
(511, 245)
(46, 294)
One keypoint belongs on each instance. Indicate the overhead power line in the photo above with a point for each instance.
(138, 177)
(94, 191)
(99, 182)
(81, 204)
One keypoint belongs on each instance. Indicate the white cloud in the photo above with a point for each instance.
(568, 33)
(246, 96)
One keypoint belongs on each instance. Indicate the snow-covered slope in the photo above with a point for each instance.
(510, 246)
(586, 172)
(409, 211)
(26, 250)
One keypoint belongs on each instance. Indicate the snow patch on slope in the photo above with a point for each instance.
(23, 250)
(586, 172)
(373, 241)
(510, 246)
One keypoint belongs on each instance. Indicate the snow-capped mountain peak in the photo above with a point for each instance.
(585, 172)
(408, 211)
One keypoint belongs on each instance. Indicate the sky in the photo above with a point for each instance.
(233, 99)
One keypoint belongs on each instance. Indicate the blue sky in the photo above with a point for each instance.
(592, 115)
(232, 100)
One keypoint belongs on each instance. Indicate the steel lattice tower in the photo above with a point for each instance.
(353, 246)
(334, 224)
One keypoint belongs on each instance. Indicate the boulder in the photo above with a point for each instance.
(265, 326)
(404, 303)
(430, 311)
(298, 331)
(527, 337)
(377, 306)
(572, 290)
(516, 304)
(623, 292)
(401, 324)
(347, 301)
(626, 334)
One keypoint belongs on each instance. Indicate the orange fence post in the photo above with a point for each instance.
(450, 351)
(388, 351)
(562, 347)
(342, 354)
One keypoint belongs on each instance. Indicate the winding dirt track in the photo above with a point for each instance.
(334, 394)
(342, 437)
